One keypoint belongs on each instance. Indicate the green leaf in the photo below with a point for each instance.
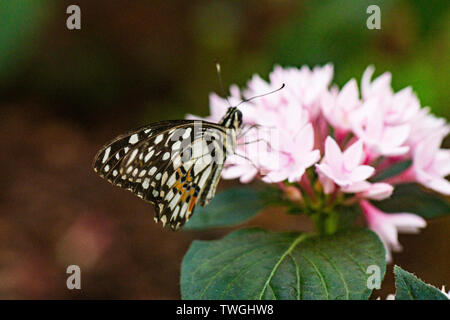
(409, 287)
(227, 208)
(257, 264)
(393, 170)
(414, 199)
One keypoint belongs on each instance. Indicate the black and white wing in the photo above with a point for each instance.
(173, 164)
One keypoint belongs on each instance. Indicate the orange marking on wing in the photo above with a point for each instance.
(184, 196)
(188, 176)
(192, 204)
(179, 186)
(187, 193)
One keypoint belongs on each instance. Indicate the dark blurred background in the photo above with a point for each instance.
(65, 93)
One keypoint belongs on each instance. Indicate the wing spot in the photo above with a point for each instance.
(132, 156)
(146, 183)
(176, 161)
(133, 139)
(142, 173)
(187, 165)
(205, 176)
(183, 209)
(159, 138)
(149, 155)
(152, 171)
(164, 177)
(171, 181)
(174, 201)
(175, 213)
(187, 133)
(176, 145)
(169, 195)
(105, 157)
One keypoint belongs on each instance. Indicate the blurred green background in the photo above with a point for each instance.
(158, 55)
(64, 93)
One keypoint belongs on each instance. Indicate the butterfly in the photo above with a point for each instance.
(171, 164)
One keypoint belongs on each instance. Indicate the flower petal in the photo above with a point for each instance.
(362, 173)
(353, 156)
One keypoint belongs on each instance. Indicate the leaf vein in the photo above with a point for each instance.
(297, 272)
(322, 279)
(288, 251)
(226, 266)
(333, 265)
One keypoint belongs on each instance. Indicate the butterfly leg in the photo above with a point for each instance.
(248, 159)
(247, 130)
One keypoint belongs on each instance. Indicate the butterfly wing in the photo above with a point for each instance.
(173, 164)
(195, 172)
(110, 159)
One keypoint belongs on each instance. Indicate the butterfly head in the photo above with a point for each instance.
(232, 119)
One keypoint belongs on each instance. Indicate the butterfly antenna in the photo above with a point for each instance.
(219, 76)
(261, 95)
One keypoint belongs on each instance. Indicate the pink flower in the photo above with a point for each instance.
(377, 191)
(303, 88)
(238, 167)
(292, 156)
(381, 139)
(338, 106)
(402, 107)
(387, 226)
(293, 130)
(284, 120)
(344, 168)
(372, 191)
(398, 108)
(424, 124)
(384, 121)
(380, 86)
(431, 164)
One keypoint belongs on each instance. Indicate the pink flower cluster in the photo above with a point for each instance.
(344, 136)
